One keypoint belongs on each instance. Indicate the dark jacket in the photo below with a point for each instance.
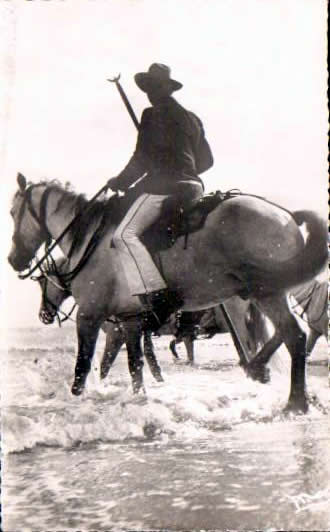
(171, 148)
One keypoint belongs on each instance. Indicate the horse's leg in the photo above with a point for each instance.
(311, 341)
(87, 331)
(277, 309)
(189, 345)
(133, 334)
(256, 369)
(256, 327)
(149, 353)
(114, 341)
(317, 328)
(172, 347)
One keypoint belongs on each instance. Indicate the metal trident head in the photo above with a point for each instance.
(115, 79)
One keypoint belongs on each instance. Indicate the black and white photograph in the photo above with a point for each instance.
(164, 266)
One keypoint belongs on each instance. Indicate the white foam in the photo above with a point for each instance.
(192, 404)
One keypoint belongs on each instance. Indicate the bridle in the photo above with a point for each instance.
(48, 238)
(40, 219)
(50, 245)
(47, 276)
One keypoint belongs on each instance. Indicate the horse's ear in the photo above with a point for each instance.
(21, 180)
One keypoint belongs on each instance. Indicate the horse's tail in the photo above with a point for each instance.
(309, 262)
(315, 253)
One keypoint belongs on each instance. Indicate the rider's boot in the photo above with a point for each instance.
(158, 306)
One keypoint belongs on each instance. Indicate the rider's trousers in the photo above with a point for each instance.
(140, 270)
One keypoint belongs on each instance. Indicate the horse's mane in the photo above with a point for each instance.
(69, 199)
(69, 196)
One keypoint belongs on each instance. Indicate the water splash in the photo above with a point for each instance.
(193, 404)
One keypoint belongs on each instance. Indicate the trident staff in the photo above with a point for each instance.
(125, 100)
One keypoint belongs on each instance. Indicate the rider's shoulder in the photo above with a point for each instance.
(146, 119)
(196, 118)
(187, 120)
(147, 113)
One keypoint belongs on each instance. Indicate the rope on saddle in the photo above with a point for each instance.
(239, 193)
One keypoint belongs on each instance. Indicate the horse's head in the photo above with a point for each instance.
(29, 228)
(53, 293)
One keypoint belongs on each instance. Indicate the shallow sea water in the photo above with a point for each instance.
(207, 450)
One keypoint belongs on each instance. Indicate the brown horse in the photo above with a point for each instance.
(54, 293)
(184, 326)
(247, 246)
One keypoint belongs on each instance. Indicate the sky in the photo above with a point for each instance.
(254, 71)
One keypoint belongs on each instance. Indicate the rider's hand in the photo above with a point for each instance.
(114, 184)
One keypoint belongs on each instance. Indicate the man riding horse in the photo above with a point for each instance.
(268, 257)
(171, 151)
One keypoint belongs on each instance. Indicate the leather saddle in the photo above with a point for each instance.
(174, 221)
(181, 221)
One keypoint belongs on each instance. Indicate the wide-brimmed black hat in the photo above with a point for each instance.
(158, 76)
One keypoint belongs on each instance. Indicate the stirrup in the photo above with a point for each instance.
(163, 303)
(151, 321)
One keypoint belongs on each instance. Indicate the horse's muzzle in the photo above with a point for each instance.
(46, 316)
(18, 262)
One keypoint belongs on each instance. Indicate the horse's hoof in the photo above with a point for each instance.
(77, 389)
(139, 389)
(140, 400)
(296, 407)
(258, 373)
(159, 378)
(149, 430)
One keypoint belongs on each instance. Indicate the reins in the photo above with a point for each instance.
(66, 316)
(52, 246)
(69, 276)
(48, 274)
